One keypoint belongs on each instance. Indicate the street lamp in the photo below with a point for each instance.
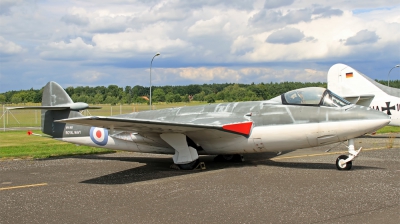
(150, 74)
(391, 70)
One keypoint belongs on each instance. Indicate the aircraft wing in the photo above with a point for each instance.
(142, 125)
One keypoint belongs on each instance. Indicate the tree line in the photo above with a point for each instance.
(113, 94)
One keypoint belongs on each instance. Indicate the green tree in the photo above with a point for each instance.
(210, 98)
(200, 96)
(177, 98)
(128, 94)
(169, 98)
(140, 100)
(111, 100)
(2, 98)
(16, 99)
(185, 98)
(98, 98)
(158, 95)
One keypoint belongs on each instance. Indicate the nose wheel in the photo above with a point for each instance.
(341, 163)
(344, 162)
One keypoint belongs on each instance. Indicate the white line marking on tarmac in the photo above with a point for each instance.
(23, 186)
(324, 154)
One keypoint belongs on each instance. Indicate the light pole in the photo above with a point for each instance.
(391, 70)
(151, 63)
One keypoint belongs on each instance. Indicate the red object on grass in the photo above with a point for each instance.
(30, 132)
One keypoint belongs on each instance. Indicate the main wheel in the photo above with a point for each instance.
(343, 166)
(189, 166)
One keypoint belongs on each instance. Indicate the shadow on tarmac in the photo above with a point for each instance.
(158, 168)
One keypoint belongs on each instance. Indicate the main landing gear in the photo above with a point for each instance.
(185, 157)
(344, 162)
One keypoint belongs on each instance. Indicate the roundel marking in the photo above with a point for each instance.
(99, 135)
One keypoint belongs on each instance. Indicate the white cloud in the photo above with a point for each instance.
(205, 40)
(242, 75)
(287, 35)
(270, 4)
(7, 5)
(131, 42)
(203, 74)
(9, 48)
(206, 27)
(362, 37)
(75, 19)
(75, 49)
(89, 76)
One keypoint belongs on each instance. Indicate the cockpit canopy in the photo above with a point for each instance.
(313, 96)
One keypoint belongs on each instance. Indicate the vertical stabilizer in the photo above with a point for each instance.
(347, 81)
(54, 94)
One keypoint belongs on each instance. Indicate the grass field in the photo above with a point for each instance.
(17, 144)
(388, 129)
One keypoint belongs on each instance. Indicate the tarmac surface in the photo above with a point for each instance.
(299, 187)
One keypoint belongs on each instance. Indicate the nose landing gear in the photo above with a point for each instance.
(344, 162)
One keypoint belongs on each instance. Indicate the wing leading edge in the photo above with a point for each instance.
(142, 125)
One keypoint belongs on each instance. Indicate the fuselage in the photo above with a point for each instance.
(276, 127)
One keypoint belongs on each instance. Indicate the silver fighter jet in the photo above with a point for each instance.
(298, 119)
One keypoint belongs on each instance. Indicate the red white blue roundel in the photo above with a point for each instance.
(99, 135)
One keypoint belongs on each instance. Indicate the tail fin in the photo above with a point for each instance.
(355, 86)
(54, 95)
(56, 105)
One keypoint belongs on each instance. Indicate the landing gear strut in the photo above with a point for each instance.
(344, 162)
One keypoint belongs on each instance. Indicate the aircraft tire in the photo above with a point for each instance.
(189, 166)
(346, 166)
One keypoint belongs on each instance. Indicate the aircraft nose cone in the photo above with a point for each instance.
(376, 119)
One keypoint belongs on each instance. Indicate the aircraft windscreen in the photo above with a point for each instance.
(304, 96)
(314, 96)
(333, 100)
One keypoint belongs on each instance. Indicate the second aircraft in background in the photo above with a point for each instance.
(359, 89)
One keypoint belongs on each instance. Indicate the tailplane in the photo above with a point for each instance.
(56, 105)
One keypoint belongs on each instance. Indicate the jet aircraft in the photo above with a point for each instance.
(359, 89)
(298, 119)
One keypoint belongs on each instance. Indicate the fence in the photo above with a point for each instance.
(32, 118)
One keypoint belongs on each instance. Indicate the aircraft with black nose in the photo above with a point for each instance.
(301, 118)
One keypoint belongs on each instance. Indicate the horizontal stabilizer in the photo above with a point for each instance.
(364, 99)
(71, 106)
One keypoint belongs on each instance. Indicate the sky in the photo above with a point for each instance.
(101, 43)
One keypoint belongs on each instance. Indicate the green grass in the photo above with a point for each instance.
(17, 144)
(388, 129)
